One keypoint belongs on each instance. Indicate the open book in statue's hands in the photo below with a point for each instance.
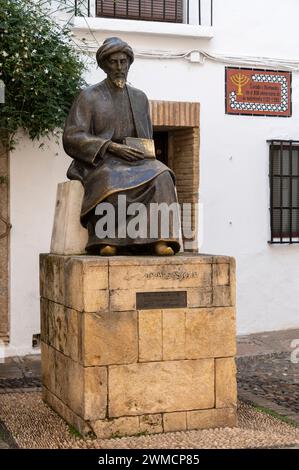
(146, 146)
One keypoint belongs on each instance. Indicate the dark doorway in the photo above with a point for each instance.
(161, 144)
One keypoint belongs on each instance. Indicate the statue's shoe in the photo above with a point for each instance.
(108, 250)
(162, 249)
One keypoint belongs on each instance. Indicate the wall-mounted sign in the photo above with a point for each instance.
(256, 92)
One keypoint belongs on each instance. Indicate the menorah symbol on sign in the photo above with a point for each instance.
(240, 80)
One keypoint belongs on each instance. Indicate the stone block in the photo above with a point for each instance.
(76, 388)
(151, 424)
(222, 296)
(82, 389)
(68, 235)
(220, 259)
(43, 262)
(67, 414)
(86, 284)
(110, 338)
(232, 271)
(74, 284)
(44, 324)
(122, 300)
(224, 281)
(113, 428)
(214, 418)
(57, 327)
(48, 366)
(221, 274)
(61, 367)
(77, 282)
(95, 287)
(226, 383)
(60, 327)
(157, 387)
(72, 333)
(150, 335)
(210, 332)
(95, 392)
(175, 421)
(174, 334)
(199, 297)
(52, 281)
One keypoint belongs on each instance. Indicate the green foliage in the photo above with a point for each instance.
(39, 66)
(74, 432)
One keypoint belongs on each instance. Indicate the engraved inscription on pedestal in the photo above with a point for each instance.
(175, 275)
(154, 300)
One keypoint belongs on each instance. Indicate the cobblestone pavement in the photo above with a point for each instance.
(7, 385)
(271, 376)
(267, 377)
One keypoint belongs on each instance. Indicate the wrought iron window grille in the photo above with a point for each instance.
(172, 11)
(284, 191)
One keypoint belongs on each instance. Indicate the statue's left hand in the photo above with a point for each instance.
(124, 151)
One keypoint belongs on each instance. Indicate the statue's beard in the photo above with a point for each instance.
(119, 82)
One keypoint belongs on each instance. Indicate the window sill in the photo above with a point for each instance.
(142, 27)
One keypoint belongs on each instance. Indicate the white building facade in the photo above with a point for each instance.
(181, 62)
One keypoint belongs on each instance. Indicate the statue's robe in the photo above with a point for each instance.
(103, 113)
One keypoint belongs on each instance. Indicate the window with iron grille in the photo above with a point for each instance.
(148, 10)
(194, 12)
(284, 191)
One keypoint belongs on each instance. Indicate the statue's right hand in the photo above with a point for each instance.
(124, 151)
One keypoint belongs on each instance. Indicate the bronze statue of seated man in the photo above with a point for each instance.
(101, 119)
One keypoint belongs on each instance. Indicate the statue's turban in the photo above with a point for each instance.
(111, 46)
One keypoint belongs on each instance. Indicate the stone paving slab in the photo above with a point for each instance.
(20, 372)
(267, 343)
(10, 368)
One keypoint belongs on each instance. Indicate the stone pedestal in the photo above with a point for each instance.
(139, 344)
